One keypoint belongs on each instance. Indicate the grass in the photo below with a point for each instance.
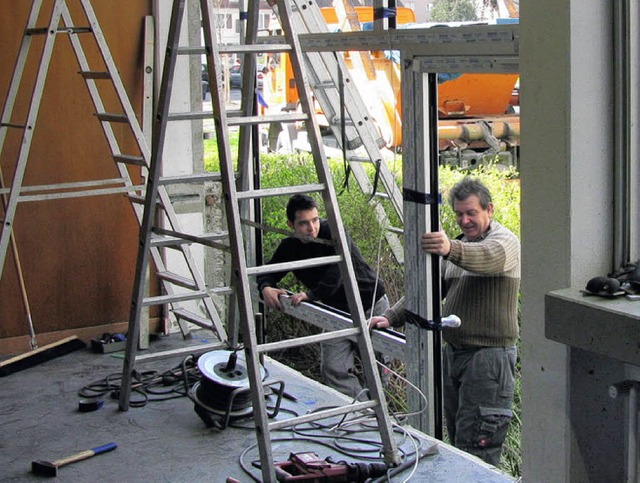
(359, 219)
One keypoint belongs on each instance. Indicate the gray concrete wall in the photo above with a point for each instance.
(572, 430)
(544, 104)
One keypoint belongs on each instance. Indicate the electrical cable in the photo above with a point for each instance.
(164, 386)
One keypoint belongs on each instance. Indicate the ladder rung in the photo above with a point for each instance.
(251, 120)
(185, 296)
(176, 279)
(139, 199)
(183, 351)
(324, 85)
(235, 118)
(37, 31)
(359, 159)
(129, 159)
(255, 48)
(286, 190)
(11, 124)
(95, 75)
(307, 340)
(59, 30)
(192, 50)
(174, 241)
(208, 241)
(171, 298)
(190, 178)
(74, 30)
(108, 117)
(290, 266)
(193, 318)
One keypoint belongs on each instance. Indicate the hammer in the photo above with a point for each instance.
(50, 468)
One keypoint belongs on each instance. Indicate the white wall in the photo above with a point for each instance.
(566, 159)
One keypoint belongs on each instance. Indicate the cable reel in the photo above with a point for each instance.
(223, 392)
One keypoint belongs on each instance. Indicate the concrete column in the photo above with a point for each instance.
(571, 430)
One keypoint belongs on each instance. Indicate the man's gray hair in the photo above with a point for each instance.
(470, 186)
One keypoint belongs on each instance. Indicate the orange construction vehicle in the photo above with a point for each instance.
(478, 113)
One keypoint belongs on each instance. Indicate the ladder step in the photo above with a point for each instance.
(193, 318)
(182, 352)
(237, 120)
(37, 31)
(185, 296)
(176, 279)
(290, 266)
(129, 159)
(285, 190)
(59, 30)
(139, 200)
(108, 117)
(190, 178)
(11, 124)
(172, 298)
(95, 75)
(275, 45)
(176, 242)
(210, 240)
(252, 120)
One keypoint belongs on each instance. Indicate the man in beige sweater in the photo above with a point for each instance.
(481, 282)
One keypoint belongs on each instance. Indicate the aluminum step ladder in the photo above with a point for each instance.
(347, 114)
(103, 81)
(235, 198)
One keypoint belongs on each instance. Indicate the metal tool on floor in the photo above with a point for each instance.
(309, 467)
(50, 468)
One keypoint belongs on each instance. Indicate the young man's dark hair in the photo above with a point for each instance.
(299, 203)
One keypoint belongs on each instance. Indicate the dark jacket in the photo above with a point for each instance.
(324, 283)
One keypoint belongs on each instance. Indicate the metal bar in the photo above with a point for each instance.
(387, 342)
(289, 266)
(328, 413)
(307, 340)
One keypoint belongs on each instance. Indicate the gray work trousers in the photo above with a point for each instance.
(478, 388)
(337, 358)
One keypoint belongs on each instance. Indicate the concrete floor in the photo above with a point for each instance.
(168, 441)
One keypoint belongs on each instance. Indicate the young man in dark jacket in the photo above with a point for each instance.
(324, 284)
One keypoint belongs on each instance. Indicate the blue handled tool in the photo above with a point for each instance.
(50, 468)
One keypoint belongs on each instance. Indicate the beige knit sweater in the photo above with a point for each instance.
(481, 282)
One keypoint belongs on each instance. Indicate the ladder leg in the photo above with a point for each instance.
(32, 116)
